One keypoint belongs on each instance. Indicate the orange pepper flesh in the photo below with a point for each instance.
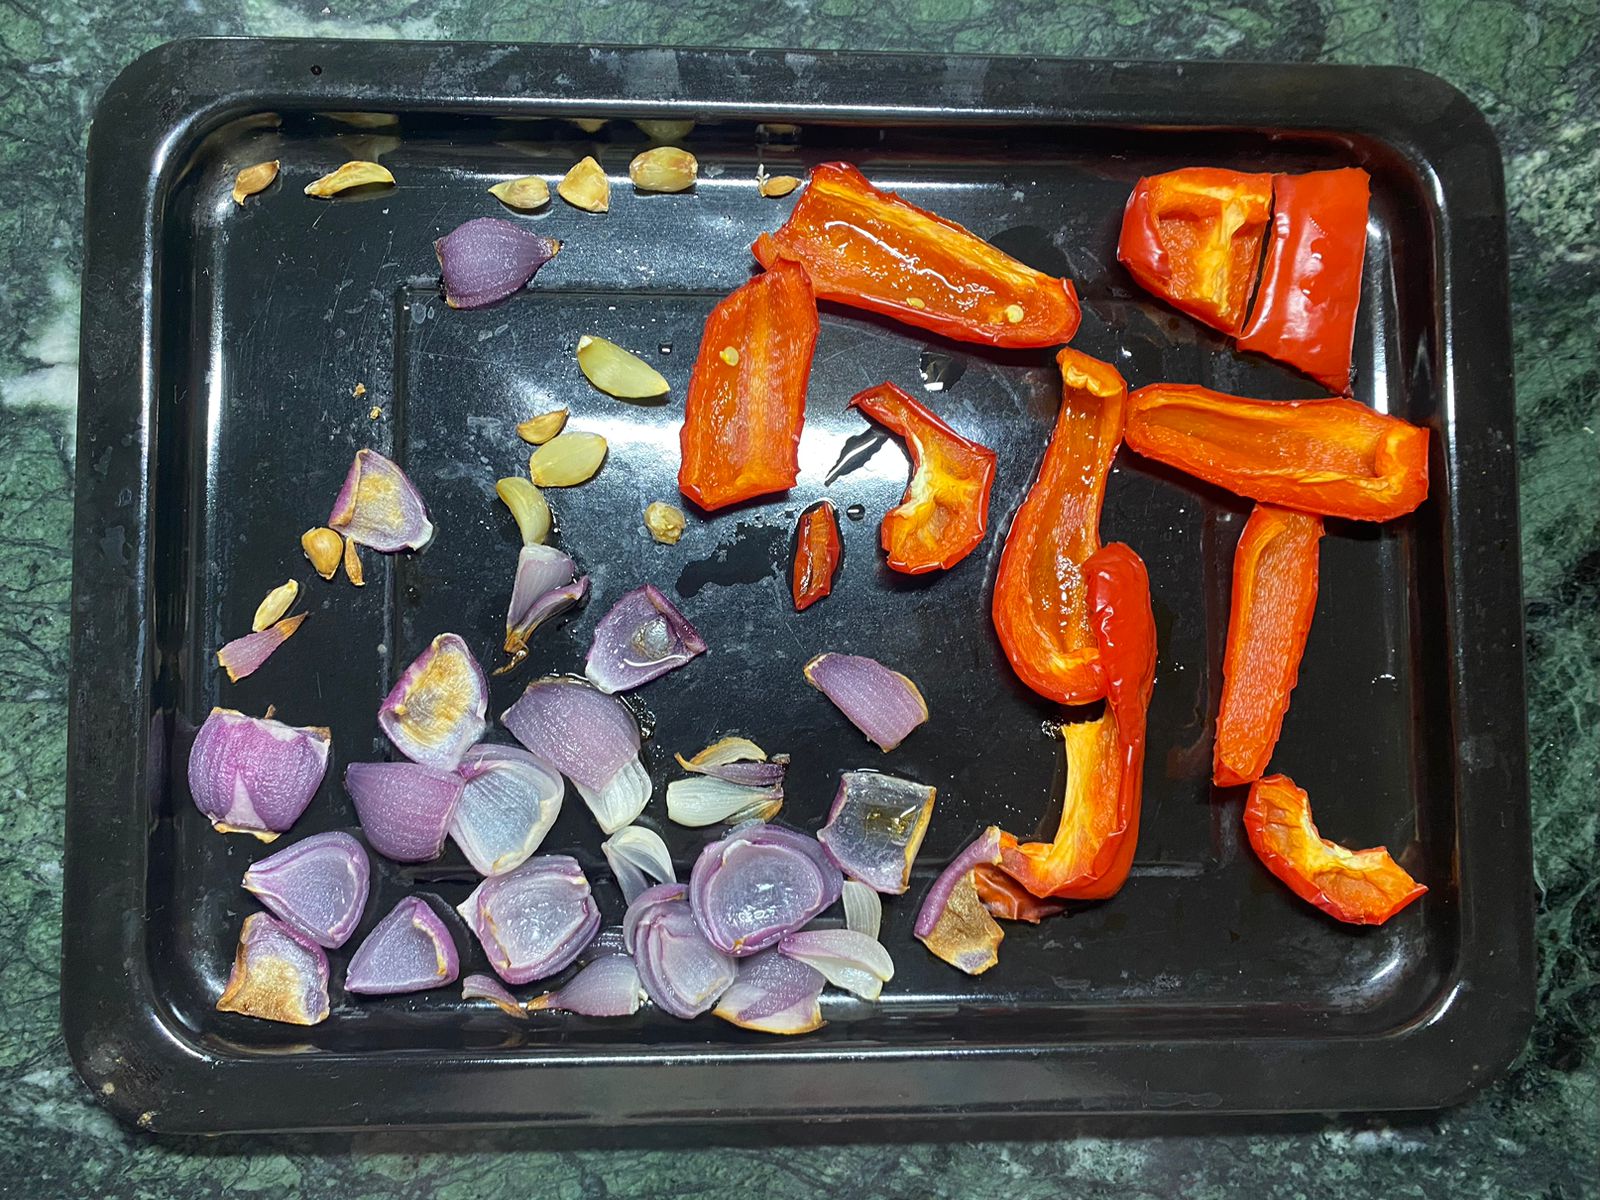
(945, 511)
(1332, 457)
(1040, 603)
(1193, 237)
(870, 249)
(1274, 596)
(816, 555)
(746, 402)
(1361, 887)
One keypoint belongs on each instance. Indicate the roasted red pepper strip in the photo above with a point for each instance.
(1008, 900)
(1333, 457)
(1362, 887)
(747, 395)
(816, 554)
(1040, 604)
(1305, 307)
(1274, 595)
(1193, 237)
(871, 249)
(945, 510)
(1099, 830)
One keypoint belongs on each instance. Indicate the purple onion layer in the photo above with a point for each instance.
(255, 775)
(318, 886)
(883, 704)
(758, 884)
(379, 507)
(410, 950)
(607, 987)
(277, 975)
(953, 922)
(406, 808)
(535, 920)
(641, 638)
(680, 969)
(773, 994)
(435, 711)
(875, 828)
(510, 801)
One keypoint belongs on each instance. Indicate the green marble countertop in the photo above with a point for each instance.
(1533, 67)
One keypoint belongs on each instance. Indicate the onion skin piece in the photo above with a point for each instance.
(487, 987)
(505, 785)
(412, 931)
(953, 922)
(678, 966)
(487, 259)
(405, 809)
(550, 893)
(277, 975)
(436, 710)
(873, 807)
(607, 987)
(732, 922)
(884, 704)
(318, 886)
(378, 506)
(641, 638)
(255, 775)
(774, 994)
(244, 656)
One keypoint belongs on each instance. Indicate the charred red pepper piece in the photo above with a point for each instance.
(1305, 307)
(1274, 595)
(945, 510)
(1361, 887)
(1193, 237)
(870, 249)
(746, 401)
(816, 554)
(1333, 457)
(1094, 844)
(1040, 604)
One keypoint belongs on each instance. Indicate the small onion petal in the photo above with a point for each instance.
(244, 655)
(707, 801)
(848, 959)
(774, 994)
(487, 987)
(589, 737)
(318, 886)
(510, 801)
(255, 775)
(758, 884)
(379, 507)
(607, 987)
(863, 910)
(405, 809)
(883, 704)
(636, 856)
(410, 950)
(678, 966)
(621, 801)
(277, 975)
(541, 570)
(487, 259)
(552, 604)
(641, 638)
(535, 920)
(953, 922)
(436, 710)
(876, 826)
(737, 760)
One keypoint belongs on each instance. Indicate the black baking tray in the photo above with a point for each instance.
(220, 349)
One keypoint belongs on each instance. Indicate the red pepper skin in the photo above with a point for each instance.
(1336, 458)
(1274, 595)
(1305, 307)
(1193, 237)
(1008, 900)
(945, 511)
(870, 249)
(1360, 887)
(747, 394)
(1040, 605)
(816, 555)
(1099, 831)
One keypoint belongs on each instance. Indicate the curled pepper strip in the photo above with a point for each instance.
(1274, 595)
(1360, 887)
(746, 401)
(1040, 604)
(1099, 830)
(870, 249)
(1193, 237)
(816, 554)
(1333, 457)
(945, 511)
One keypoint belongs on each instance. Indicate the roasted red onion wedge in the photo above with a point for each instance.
(637, 856)
(535, 920)
(405, 808)
(277, 975)
(318, 886)
(883, 704)
(253, 774)
(607, 987)
(679, 968)
(954, 923)
(379, 507)
(758, 884)
(849, 960)
(244, 655)
(875, 828)
(487, 987)
(510, 801)
(773, 994)
(436, 710)
(487, 259)
(410, 950)
(738, 760)
(641, 638)
(589, 737)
